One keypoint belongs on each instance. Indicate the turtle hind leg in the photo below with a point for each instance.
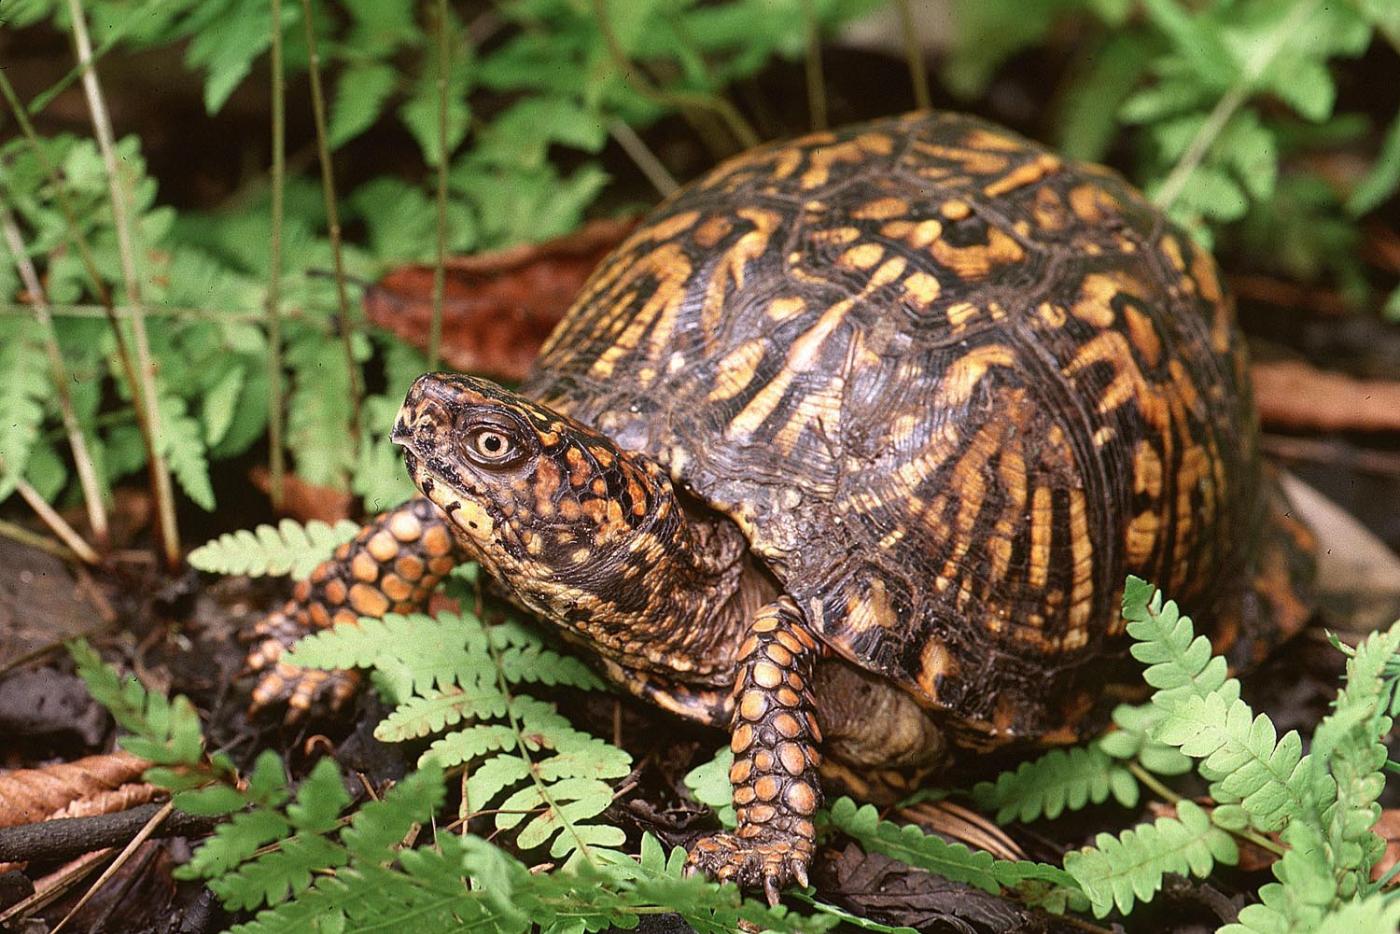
(1276, 597)
(391, 566)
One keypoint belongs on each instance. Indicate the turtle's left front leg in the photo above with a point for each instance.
(775, 737)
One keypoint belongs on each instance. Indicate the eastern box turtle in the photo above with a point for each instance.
(849, 449)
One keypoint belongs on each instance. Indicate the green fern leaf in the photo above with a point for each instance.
(418, 653)
(709, 784)
(1058, 781)
(1180, 663)
(182, 443)
(469, 745)
(1134, 739)
(1371, 914)
(233, 843)
(954, 861)
(24, 385)
(420, 716)
(380, 826)
(1119, 871)
(289, 548)
(359, 100)
(280, 874)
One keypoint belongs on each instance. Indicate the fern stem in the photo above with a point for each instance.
(318, 111)
(504, 686)
(56, 523)
(1162, 791)
(276, 458)
(812, 64)
(640, 153)
(144, 387)
(631, 74)
(82, 458)
(444, 50)
(913, 56)
(1228, 104)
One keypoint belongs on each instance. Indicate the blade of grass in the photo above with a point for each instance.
(733, 120)
(276, 456)
(318, 110)
(816, 81)
(82, 459)
(440, 266)
(169, 532)
(918, 74)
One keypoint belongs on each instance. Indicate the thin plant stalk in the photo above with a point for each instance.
(636, 148)
(107, 308)
(323, 151)
(816, 80)
(56, 523)
(733, 120)
(102, 127)
(918, 75)
(19, 533)
(82, 458)
(276, 456)
(440, 266)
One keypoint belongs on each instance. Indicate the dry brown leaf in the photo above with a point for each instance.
(306, 501)
(960, 824)
(31, 795)
(498, 307)
(1388, 827)
(1293, 394)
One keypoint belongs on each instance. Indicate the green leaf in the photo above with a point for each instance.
(1119, 871)
(1384, 177)
(24, 387)
(360, 95)
(1058, 781)
(182, 443)
(709, 784)
(288, 548)
(220, 403)
(226, 46)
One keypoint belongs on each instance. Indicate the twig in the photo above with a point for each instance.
(82, 459)
(25, 537)
(318, 110)
(726, 111)
(276, 457)
(50, 517)
(1229, 102)
(126, 854)
(444, 50)
(55, 884)
(640, 153)
(121, 222)
(816, 81)
(914, 56)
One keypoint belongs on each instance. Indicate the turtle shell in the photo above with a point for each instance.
(953, 389)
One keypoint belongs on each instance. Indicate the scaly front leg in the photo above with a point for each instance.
(775, 737)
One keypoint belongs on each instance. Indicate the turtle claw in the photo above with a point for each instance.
(281, 683)
(773, 861)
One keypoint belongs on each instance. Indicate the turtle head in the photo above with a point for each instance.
(539, 499)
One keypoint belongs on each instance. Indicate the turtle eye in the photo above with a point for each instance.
(493, 446)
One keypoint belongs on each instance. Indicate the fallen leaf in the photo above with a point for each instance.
(498, 307)
(31, 795)
(305, 501)
(1293, 394)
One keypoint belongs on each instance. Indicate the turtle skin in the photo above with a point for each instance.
(871, 422)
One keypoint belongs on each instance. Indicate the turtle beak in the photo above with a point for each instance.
(425, 414)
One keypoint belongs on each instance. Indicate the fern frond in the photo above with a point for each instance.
(1180, 663)
(1117, 871)
(1135, 739)
(1349, 744)
(1299, 901)
(417, 653)
(24, 385)
(953, 861)
(1375, 913)
(182, 444)
(1057, 781)
(419, 716)
(709, 784)
(287, 548)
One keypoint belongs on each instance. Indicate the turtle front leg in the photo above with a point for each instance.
(392, 566)
(775, 737)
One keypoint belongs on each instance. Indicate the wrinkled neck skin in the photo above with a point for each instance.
(603, 547)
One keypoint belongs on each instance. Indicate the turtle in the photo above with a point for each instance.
(849, 449)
